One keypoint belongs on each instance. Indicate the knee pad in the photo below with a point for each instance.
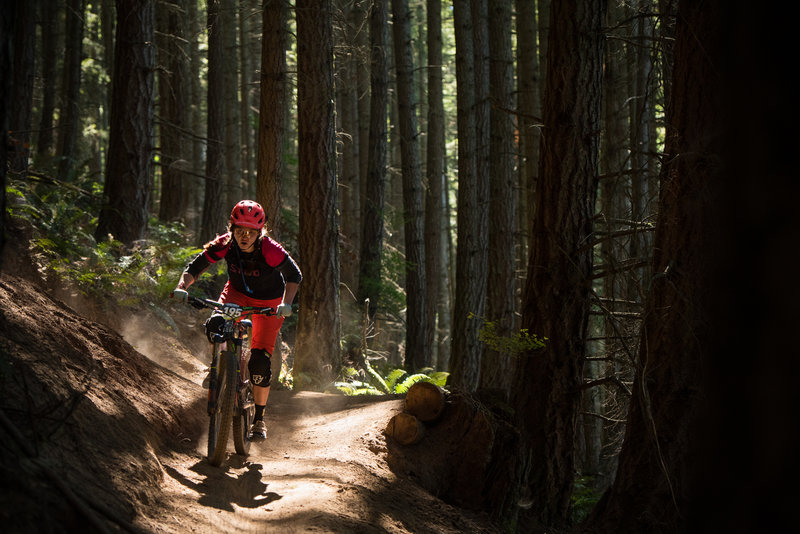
(259, 367)
(214, 325)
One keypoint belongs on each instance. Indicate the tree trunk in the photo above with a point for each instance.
(618, 332)
(196, 122)
(173, 94)
(232, 173)
(129, 168)
(108, 20)
(24, 55)
(529, 84)
(666, 39)
(639, 101)
(435, 172)
(418, 353)
(317, 356)
(347, 66)
(556, 300)
(214, 213)
(48, 11)
(661, 461)
(69, 122)
(369, 276)
(470, 295)
(496, 367)
(363, 12)
(246, 67)
(6, 90)
(272, 112)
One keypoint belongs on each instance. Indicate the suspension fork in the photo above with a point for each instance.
(212, 380)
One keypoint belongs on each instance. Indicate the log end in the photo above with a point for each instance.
(405, 429)
(425, 400)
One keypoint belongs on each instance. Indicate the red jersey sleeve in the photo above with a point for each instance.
(273, 252)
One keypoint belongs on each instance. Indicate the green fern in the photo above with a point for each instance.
(394, 377)
(409, 381)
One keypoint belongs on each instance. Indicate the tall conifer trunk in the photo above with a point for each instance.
(417, 350)
(661, 459)
(214, 217)
(317, 355)
(129, 165)
(556, 301)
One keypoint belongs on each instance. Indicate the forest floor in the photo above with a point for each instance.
(103, 429)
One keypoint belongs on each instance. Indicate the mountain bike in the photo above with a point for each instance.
(230, 393)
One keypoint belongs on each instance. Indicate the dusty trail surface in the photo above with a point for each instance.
(103, 429)
(319, 470)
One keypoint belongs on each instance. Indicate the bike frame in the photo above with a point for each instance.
(230, 395)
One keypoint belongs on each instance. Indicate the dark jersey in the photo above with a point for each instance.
(260, 274)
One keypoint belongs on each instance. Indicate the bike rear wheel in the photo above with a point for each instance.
(221, 418)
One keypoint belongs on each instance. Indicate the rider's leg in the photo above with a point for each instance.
(265, 333)
(260, 396)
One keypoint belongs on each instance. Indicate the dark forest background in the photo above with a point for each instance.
(581, 209)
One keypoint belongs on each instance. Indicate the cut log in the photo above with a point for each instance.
(425, 401)
(405, 429)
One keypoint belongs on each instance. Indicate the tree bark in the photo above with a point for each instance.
(613, 207)
(233, 183)
(172, 93)
(417, 351)
(214, 215)
(317, 355)
(470, 295)
(659, 477)
(246, 68)
(529, 104)
(347, 65)
(556, 300)
(369, 276)
(272, 112)
(435, 172)
(48, 11)
(639, 102)
(24, 57)
(196, 121)
(6, 66)
(129, 167)
(496, 367)
(69, 121)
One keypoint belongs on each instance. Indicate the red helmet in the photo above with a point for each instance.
(248, 214)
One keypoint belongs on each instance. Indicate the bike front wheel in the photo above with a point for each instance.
(221, 418)
(242, 420)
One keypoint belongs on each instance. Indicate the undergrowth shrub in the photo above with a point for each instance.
(385, 381)
(62, 219)
(584, 497)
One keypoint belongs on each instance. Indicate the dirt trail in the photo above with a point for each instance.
(321, 469)
(121, 427)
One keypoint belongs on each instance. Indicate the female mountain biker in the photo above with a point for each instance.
(260, 273)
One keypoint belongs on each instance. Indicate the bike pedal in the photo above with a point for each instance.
(258, 436)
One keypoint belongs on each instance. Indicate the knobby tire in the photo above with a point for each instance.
(221, 421)
(243, 417)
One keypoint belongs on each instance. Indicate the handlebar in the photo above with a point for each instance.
(232, 311)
